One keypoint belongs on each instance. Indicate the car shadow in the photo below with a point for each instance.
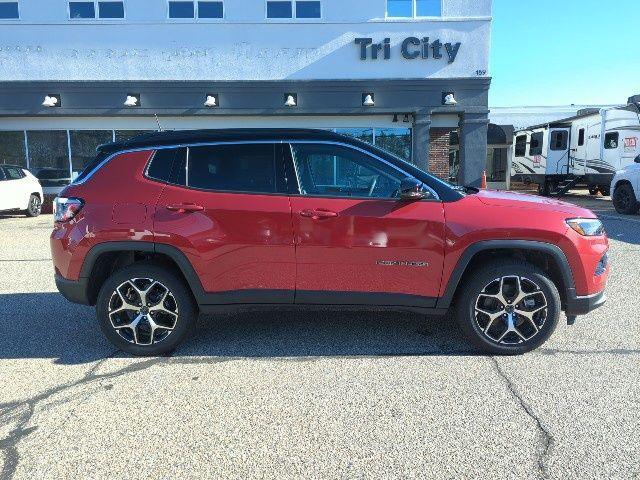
(45, 325)
(622, 228)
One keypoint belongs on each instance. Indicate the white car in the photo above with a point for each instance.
(19, 191)
(625, 189)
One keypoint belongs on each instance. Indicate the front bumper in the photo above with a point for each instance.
(582, 305)
(75, 291)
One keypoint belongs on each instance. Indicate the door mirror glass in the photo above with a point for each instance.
(412, 189)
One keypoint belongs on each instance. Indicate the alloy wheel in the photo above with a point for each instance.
(143, 311)
(35, 206)
(511, 310)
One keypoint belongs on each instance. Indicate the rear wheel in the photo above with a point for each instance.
(593, 189)
(35, 206)
(624, 200)
(145, 310)
(508, 308)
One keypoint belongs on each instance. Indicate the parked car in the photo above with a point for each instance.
(19, 191)
(170, 224)
(53, 180)
(626, 189)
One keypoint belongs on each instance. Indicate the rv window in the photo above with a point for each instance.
(611, 140)
(559, 140)
(521, 146)
(535, 147)
(581, 137)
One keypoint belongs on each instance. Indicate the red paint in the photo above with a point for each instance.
(244, 242)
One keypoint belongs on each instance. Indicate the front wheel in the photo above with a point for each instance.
(145, 310)
(508, 308)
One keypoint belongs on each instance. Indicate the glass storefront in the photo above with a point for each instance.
(48, 156)
(12, 149)
(58, 156)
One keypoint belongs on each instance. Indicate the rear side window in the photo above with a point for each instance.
(13, 173)
(168, 165)
(250, 168)
(559, 140)
(611, 140)
(521, 146)
(535, 147)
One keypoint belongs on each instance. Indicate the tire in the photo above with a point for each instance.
(544, 189)
(624, 200)
(593, 190)
(35, 206)
(514, 333)
(133, 283)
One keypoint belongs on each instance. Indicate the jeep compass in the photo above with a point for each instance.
(169, 224)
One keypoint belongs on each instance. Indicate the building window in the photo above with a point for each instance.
(105, 10)
(285, 9)
(414, 8)
(181, 10)
(12, 148)
(189, 10)
(83, 147)
(611, 140)
(49, 157)
(210, 10)
(9, 11)
(82, 10)
(111, 9)
(521, 146)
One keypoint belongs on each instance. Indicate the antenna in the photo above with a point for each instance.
(160, 129)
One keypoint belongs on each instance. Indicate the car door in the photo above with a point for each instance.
(226, 208)
(14, 188)
(356, 241)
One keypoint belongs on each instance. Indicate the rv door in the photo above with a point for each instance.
(558, 152)
(578, 151)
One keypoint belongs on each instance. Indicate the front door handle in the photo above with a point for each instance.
(318, 213)
(185, 208)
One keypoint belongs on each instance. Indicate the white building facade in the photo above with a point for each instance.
(75, 74)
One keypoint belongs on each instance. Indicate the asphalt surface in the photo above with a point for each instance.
(310, 395)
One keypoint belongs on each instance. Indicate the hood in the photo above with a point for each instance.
(531, 202)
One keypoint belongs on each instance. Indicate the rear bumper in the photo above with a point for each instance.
(582, 305)
(75, 291)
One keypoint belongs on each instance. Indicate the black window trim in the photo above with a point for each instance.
(436, 197)
(281, 178)
(152, 148)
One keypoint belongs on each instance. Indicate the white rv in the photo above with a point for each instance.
(585, 150)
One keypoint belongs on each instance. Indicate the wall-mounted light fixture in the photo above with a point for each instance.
(395, 118)
(290, 99)
(52, 100)
(211, 100)
(368, 100)
(406, 118)
(448, 98)
(133, 100)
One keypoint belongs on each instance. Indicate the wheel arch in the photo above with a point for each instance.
(105, 258)
(546, 256)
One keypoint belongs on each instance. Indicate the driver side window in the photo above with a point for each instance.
(336, 171)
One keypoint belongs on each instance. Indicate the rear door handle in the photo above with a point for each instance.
(185, 208)
(319, 213)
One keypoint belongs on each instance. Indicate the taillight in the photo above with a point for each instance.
(64, 209)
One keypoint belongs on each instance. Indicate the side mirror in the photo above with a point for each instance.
(412, 189)
(637, 159)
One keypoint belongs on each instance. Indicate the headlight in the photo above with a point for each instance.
(588, 227)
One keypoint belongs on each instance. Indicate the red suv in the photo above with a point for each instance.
(169, 224)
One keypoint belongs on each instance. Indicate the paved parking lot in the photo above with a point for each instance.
(283, 395)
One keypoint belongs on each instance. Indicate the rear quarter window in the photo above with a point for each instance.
(168, 166)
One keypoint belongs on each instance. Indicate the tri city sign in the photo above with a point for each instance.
(411, 48)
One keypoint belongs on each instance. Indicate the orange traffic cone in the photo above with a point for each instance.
(483, 185)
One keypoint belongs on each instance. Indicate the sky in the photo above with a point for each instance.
(562, 52)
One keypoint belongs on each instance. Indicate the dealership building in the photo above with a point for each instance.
(401, 74)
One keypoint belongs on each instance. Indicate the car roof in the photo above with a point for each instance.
(180, 137)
